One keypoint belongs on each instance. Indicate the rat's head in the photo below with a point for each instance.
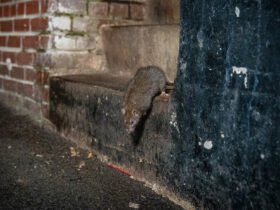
(131, 119)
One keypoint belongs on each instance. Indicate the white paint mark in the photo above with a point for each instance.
(183, 66)
(199, 143)
(199, 38)
(208, 144)
(241, 71)
(262, 156)
(222, 135)
(237, 12)
(9, 64)
(173, 121)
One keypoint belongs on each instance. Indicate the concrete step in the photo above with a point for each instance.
(87, 109)
(129, 47)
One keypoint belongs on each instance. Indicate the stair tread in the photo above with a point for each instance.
(106, 80)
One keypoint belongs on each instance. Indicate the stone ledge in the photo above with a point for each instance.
(87, 108)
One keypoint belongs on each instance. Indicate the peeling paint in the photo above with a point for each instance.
(241, 71)
(200, 39)
(208, 144)
(237, 12)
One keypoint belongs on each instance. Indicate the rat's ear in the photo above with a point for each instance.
(123, 111)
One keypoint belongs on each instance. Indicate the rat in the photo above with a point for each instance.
(147, 83)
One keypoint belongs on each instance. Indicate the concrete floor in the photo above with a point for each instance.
(41, 170)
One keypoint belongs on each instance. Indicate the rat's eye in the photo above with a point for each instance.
(131, 122)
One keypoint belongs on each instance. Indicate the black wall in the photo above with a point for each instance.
(225, 119)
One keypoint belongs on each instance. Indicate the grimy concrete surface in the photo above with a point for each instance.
(156, 45)
(41, 170)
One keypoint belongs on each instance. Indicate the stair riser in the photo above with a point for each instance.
(91, 116)
(128, 48)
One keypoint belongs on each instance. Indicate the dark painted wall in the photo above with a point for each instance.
(225, 119)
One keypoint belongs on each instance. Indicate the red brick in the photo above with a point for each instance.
(3, 70)
(1, 11)
(30, 75)
(25, 90)
(137, 11)
(98, 9)
(46, 94)
(21, 9)
(13, 11)
(39, 24)
(5, 1)
(13, 41)
(10, 85)
(45, 78)
(30, 42)
(10, 55)
(6, 26)
(24, 58)
(119, 10)
(22, 25)
(41, 93)
(6, 11)
(46, 5)
(3, 41)
(43, 42)
(45, 110)
(42, 78)
(17, 73)
(32, 7)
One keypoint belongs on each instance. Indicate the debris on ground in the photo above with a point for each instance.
(90, 154)
(73, 152)
(133, 205)
(81, 165)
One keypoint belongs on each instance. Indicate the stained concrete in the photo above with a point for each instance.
(128, 48)
(226, 104)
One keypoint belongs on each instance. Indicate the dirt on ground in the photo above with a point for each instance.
(41, 170)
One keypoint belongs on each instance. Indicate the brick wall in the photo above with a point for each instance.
(23, 27)
(40, 38)
(76, 26)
